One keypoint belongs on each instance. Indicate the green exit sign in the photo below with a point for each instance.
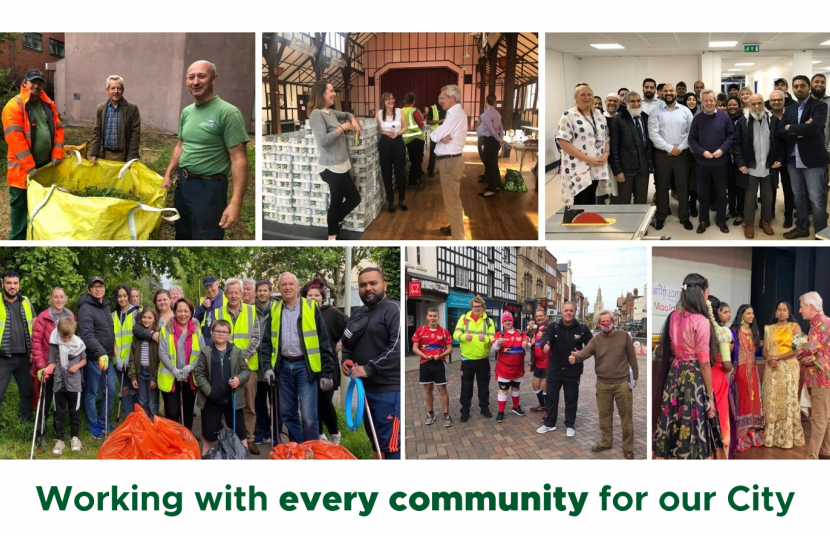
(752, 48)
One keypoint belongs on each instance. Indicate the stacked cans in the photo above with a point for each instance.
(292, 190)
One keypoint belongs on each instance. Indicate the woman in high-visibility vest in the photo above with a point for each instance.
(164, 306)
(179, 345)
(124, 319)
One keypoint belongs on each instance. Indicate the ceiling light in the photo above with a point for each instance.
(745, 64)
(722, 43)
(825, 43)
(817, 61)
(735, 69)
(607, 46)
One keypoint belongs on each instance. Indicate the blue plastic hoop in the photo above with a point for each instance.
(353, 422)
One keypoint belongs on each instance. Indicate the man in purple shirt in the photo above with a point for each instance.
(710, 138)
(492, 132)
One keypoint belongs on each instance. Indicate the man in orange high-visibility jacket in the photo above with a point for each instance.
(34, 134)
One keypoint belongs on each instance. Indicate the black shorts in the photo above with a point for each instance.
(506, 385)
(212, 415)
(433, 371)
(540, 373)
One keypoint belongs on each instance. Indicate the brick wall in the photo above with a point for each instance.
(20, 59)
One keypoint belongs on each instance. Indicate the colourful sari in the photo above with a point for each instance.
(683, 429)
(750, 415)
(782, 413)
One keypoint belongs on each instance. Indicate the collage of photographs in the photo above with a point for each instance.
(328, 245)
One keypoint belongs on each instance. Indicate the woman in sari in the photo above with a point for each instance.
(721, 369)
(687, 427)
(782, 413)
(750, 414)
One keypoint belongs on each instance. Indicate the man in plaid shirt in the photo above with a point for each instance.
(117, 132)
(815, 357)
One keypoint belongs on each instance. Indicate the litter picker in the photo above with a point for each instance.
(37, 415)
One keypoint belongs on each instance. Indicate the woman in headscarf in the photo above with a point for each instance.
(750, 414)
(585, 143)
(687, 427)
(782, 413)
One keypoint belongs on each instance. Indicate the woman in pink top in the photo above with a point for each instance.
(688, 427)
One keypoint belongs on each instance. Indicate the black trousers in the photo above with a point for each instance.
(17, 366)
(326, 413)
(415, 148)
(666, 166)
(789, 200)
(735, 194)
(709, 178)
(480, 371)
(587, 195)
(490, 156)
(636, 185)
(263, 415)
(172, 404)
(555, 383)
(344, 198)
(392, 154)
(67, 402)
(201, 204)
(431, 165)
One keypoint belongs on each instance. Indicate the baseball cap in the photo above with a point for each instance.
(781, 80)
(33, 74)
(95, 279)
(209, 280)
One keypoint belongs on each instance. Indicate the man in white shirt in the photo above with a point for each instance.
(650, 100)
(450, 137)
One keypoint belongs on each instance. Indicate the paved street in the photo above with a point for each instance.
(482, 438)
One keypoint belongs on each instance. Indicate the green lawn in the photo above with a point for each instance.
(16, 437)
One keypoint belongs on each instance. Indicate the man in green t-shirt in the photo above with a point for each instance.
(212, 140)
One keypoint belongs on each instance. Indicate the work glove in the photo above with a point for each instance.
(31, 174)
(104, 362)
(42, 375)
(120, 363)
(56, 162)
(187, 370)
(326, 384)
(270, 376)
(177, 374)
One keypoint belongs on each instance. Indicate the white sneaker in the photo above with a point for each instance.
(545, 429)
(571, 432)
(58, 449)
(75, 444)
(323, 437)
(335, 438)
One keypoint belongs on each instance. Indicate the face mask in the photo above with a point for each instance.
(607, 328)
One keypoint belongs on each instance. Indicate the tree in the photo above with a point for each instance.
(389, 260)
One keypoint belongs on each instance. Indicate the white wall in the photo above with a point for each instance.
(555, 100)
(728, 269)
(765, 76)
(606, 75)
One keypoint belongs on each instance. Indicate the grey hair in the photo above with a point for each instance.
(452, 91)
(779, 91)
(630, 95)
(603, 313)
(279, 278)
(812, 298)
(250, 282)
(176, 288)
(706, 91)
(571, 302)
(234, 281)
(212, 65)
(114, 78)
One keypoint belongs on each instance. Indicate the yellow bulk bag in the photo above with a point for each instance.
(56, 214)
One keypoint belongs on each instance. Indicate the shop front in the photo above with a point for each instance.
(423, 292)
(458, 303)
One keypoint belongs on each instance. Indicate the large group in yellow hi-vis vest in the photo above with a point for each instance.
(241, 356)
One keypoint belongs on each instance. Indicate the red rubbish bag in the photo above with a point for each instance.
(140, 438)
(310, 450)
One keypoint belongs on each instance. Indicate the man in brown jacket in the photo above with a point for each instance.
(615, 364)
(117, 131)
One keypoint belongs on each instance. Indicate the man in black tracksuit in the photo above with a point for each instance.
(561, 339)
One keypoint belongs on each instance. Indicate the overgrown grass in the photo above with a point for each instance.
(356, 442)
(156, 148)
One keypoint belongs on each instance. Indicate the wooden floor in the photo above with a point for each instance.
(797, 452)
(508, 216)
